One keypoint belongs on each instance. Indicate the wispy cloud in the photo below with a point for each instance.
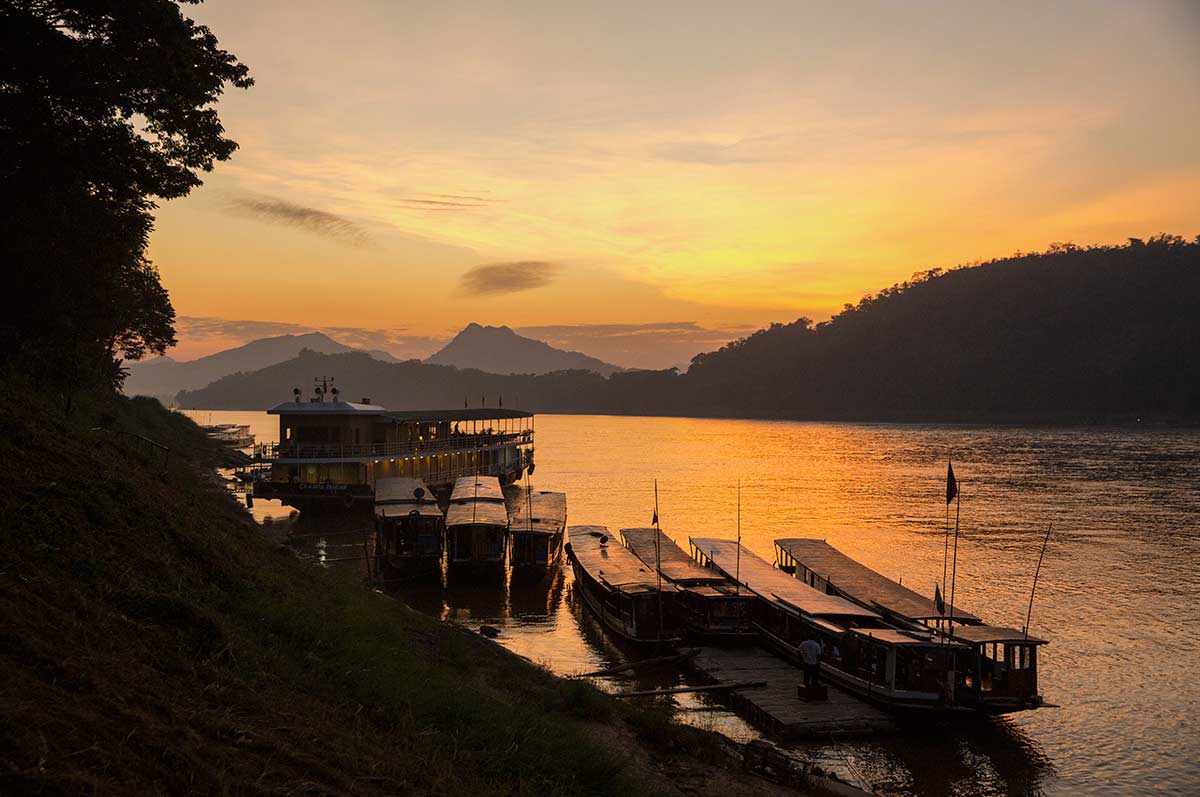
(444, 202)
(659, 344)
(494, 278)
(199, 335)
(749, 150)
(321, 222)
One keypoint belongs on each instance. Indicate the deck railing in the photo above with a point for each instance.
(442, 445)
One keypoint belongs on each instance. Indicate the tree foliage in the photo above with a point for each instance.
(105, 106)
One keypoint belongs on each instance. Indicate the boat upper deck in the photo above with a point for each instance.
(542, 512)
(477, 488)
(675, 565)
(610, 562)
(772, 584)
(984, 634)
(402, 490)
(862, 584)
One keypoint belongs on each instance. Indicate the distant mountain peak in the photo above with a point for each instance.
(500, 350)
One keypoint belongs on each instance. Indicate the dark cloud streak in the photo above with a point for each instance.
(320, 222)
(498, 278)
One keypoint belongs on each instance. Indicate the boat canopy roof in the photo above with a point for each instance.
(390, 511)
(610, 562)
(402, 490)
(477, 488)
(981, 634)
(676, 566)
(541, 512)
(863, 584)
(893, 636)
(476, 414)
(477, 513)
(326, 408)
(773, 584)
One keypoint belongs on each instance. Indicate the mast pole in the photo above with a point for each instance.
(946, 547)
(737, 570)
(1037, 571)
(954, 567)
(658, 560)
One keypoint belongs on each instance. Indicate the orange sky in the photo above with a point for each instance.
(717, 166)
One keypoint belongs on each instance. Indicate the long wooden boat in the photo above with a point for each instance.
(706, 604)
(900, 669)
(538, 524)
(410, 529)
(618, 586)
(997, 673)
(477, 537)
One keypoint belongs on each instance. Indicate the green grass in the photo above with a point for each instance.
(152, 640)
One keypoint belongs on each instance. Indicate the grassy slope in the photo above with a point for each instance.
(151, 639)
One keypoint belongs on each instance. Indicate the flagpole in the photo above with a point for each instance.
(1037, 571)
(737, 570)
(658, 560)
(946, 544)
(954, 567)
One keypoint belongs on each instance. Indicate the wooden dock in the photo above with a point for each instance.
(776, 707)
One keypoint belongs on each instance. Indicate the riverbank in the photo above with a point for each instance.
(153, 640)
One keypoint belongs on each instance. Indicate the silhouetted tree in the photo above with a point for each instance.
(105, 105)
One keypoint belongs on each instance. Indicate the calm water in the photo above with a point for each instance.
(1116, 596)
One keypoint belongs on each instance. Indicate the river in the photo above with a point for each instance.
(1116, 596)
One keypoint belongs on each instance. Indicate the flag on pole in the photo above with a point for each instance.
(938, 601)
(951, 484)
(654, 520)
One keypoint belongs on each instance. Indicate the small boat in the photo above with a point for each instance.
(997, 674)
(899, 669)
(537, 524)
(616, 585)
(706, 604)
(236, 435)
(477, 536)
(409, 526)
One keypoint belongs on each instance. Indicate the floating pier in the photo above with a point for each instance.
(776, 707)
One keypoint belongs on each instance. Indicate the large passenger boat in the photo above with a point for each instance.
(331, 452)
(706, 604)
(998, 672)
(477, 538)
(538, 524)
(623, 592)
(409, 526)
(896, 668)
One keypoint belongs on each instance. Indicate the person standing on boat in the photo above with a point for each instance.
(810, 660)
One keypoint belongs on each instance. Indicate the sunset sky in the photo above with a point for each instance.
(642, 181)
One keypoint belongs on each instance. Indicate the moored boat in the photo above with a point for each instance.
(706, 604)
(409, 526)
(997, 671)
(477, 537)
(235, 435)
(616, 585)
(537, 524)
(900, 669)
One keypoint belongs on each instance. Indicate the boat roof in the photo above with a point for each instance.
(542, 512)
(611, 563)
(894, 636)
(402, 490)
(675, 564)
(864, 584)
(773, 584)
(477, 513)
(980, 634)
(481, 488)
(326, 408)
(406, 509)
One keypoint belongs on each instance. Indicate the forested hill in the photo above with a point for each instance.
(1072, 334)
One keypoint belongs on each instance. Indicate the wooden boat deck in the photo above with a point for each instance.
(611, 563)
(776, 707)
(862, 584)
(674, 563)
(477, 488)
(540, 513)
(772, 584)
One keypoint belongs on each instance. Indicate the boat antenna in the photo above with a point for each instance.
(954, 564)
(946, 544)
(737, 569)
(1037, 571)
(658, 559)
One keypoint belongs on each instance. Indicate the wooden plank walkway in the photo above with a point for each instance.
(776, 707)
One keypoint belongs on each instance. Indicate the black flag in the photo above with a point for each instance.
(951, 484)
(654, 520)
(938, 602)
